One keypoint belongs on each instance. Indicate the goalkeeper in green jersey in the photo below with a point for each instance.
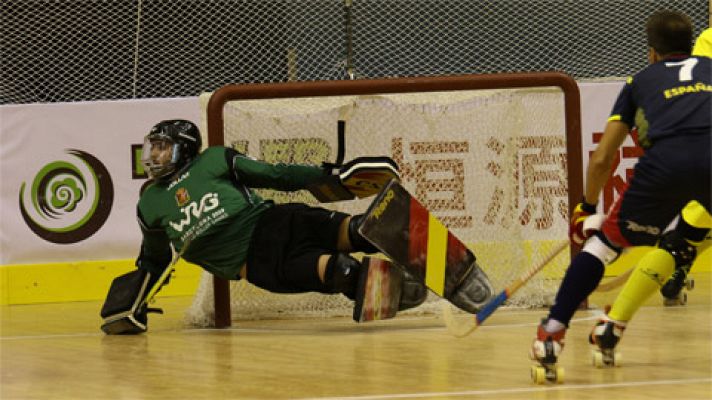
(202, 205)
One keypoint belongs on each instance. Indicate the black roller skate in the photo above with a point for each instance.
(605, 336)
(675, 290)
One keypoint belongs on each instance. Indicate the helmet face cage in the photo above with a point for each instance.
(169, 146)
(159, 156)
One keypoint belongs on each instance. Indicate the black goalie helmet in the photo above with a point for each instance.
(169, 146)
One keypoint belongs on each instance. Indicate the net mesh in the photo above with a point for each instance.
(490, 164)
(54, 51)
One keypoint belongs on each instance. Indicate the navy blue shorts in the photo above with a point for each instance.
(672, 173)
(286, 245)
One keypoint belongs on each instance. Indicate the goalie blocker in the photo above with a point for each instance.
(360, 177)
(126, 308)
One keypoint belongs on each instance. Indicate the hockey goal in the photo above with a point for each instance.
(496, 157)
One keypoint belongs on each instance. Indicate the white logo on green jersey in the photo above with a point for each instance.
(209, 202)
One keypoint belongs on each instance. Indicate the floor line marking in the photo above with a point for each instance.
(515, 390)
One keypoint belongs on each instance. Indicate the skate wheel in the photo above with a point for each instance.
(538, 374)
(617, 359)
(673, 302)
(690, 284)
(559, 374)
(597, 359)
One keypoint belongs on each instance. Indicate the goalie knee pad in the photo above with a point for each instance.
(474, 291)
(341, 275)
(358, 242)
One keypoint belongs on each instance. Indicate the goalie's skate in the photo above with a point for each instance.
(474, 291)
(605, 336)
(383, 290)
(545, 350)
(675, 290)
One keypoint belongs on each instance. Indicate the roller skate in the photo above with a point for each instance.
(675, 290)
(545, 351)
(605, 336)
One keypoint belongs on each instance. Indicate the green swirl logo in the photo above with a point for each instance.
(68, 200)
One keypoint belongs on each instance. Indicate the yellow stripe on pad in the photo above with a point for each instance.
(437, 255)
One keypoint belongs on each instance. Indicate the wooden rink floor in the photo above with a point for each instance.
(56, 351)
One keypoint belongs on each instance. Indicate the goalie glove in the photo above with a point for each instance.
(125, 310)
(360, 177)
(578, 233)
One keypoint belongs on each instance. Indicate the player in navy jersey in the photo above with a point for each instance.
(672, 290)
(669, 103)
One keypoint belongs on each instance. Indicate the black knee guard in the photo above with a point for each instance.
(358, 242)
(341, 275)
(678, 244)
(682, 251)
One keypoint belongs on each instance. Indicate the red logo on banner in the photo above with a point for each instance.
(617, 182)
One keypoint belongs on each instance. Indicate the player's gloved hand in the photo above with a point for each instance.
(360, 177)
(577, 232)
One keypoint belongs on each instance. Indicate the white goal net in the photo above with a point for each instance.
(490, 164)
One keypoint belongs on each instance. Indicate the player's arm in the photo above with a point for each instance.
(263, 175)
(602, 159)
(601, 162)
(362, 177)
(155, 253)
(617, 128)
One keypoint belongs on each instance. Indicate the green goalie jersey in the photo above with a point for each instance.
(209, 207)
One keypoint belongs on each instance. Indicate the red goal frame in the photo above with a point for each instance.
(572, 113)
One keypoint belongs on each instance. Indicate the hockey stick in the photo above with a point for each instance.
(489, 308)
(164, 276)
(615, 282)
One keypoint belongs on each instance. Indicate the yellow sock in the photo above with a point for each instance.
(647, 278)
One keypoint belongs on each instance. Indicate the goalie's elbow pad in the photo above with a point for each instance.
(125, 309)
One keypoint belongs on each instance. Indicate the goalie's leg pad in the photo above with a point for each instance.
(124, 311)
(384, 289)
(474, 291)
